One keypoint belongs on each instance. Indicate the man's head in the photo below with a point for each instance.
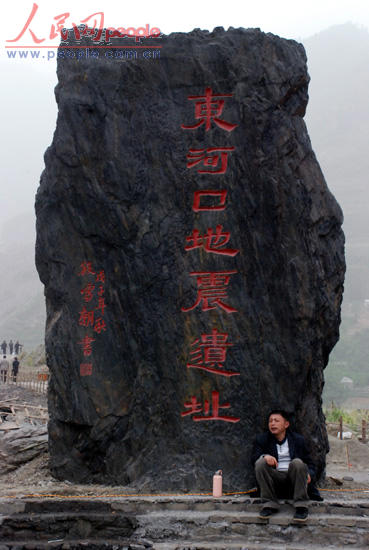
(278, 423)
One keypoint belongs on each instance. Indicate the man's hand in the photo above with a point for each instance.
(271, 461)
(309, 478)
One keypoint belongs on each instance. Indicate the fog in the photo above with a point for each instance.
(28, 108)
(337, 119)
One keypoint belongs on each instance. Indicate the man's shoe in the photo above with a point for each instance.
(266, 512)
(301, 514)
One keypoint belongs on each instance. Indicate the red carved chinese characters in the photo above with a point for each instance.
(101, 304)
(100, 325)
(86, 344)
(211, 350)
(85, 369)
(195, 408)
(212, 290)
(87, 292)
(196, 156)
(86, 318)
(86, 269)
(211, 242)
(100, 277)
(221, 199)
(91, 316)
(208, 108)
(208, 353)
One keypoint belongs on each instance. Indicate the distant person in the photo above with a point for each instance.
(11, 346)
(16, 347)
(4, 345)
(15, 368)
(4, 368)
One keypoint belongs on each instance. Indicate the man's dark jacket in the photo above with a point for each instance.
(266, 444)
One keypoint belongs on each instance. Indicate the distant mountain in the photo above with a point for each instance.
(338, 123)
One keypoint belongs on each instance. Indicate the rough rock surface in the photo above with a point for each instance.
(18, 447)
(116, 192)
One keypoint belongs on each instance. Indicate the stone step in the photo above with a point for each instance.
(104, 544)
(60, 525)
(320, 528)
(71, 544)
(176, 522)
(243, 544)
(141, 505)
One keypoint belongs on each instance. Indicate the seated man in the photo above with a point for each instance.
(283, 467)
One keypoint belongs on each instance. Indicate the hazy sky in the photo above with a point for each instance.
(289, 18)
(28, 109)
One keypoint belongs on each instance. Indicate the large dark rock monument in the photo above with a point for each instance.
(192, 257)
